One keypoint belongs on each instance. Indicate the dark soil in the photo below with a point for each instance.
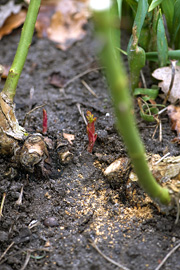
(77, 205)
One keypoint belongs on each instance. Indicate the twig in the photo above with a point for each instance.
(163, 110)
(2, 204)
(173, 71)
(28, 113)
(163, 157)
(81, 75)
(107, 258)
(4, 253)
(28, 256)
(160, 130)
(143, 79)
(167, 256)
(81, 113)
(89, 88)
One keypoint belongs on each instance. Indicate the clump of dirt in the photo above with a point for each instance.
(61, 215)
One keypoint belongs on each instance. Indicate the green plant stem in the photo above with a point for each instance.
(22, 50)
(153, 56)
(124, 108)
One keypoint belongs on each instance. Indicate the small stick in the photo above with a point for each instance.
(81, 113)
(107, 258)
(81, 75)
(143, 79)
(160, 130)
(163, 157)
(163, 110)
(167, 256)
(173, 71)
(19, 201)
(28, 113)
(4, 253)
(2, 204)
(89, 88)
(155, 130)
(28, 256)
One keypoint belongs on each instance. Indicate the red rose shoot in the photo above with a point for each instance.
(92, 136)
(44, 122)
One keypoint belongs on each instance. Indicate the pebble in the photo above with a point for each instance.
(51, 222)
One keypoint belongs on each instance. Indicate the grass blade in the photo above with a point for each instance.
(119, 3)
(162, 45)
(176, 19)
(140, 16)
(154, 4)
(168, 10)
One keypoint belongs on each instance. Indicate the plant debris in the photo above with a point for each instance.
(174, 115)
(62, 21)
(165, 75)
(11, 17)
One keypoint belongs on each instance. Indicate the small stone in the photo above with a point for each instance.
(51, 222)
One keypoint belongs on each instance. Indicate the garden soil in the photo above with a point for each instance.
(66, 215)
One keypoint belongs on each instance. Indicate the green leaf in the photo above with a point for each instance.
(151, 93)
(119, 3)
(168, 10)
(154, 4)
(162, 45)
(176, 19)
(133, 4)
(148, 114)
(140, 16)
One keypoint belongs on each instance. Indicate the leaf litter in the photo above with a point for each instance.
(11, 17)
(62, 21)
(165, 75)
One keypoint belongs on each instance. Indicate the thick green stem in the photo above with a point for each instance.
(22, 50)
(124, 108)
(153, 56)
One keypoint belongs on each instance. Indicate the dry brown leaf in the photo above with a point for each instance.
(174, 115)
(62, 21)
(69, 137)
(12, 22)
(8, 9)
(164, 74)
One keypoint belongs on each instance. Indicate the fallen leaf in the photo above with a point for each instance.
(164, 74)
(69, 137)
(12, 22)
(8, 9)
(174, 115)
(62, 21)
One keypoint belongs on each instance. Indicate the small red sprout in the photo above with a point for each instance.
(44, 121)
(92, 136)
